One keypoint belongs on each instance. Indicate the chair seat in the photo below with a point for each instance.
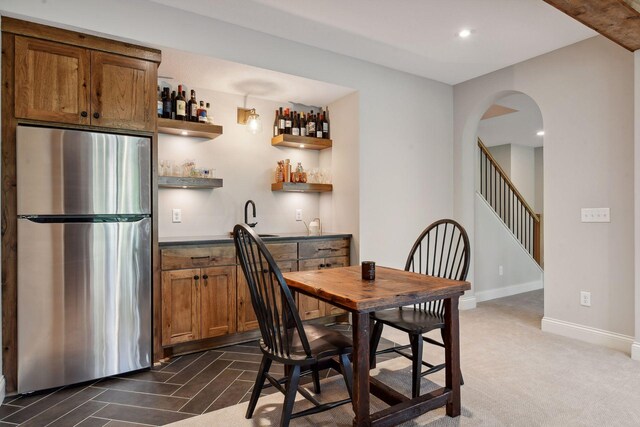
(323, 342)
(410, 320)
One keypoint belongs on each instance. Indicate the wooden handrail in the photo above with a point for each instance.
(508, 181)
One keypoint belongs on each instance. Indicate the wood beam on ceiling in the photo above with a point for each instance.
(618, 20)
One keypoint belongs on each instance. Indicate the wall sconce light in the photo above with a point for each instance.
(250, 118)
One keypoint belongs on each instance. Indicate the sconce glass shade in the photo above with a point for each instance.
(254, 124)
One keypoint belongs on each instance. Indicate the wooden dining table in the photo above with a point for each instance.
(392, 288)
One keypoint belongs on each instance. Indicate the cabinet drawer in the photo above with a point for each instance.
(324, 248)
(283, 251)
(320, 263)
(206, 256)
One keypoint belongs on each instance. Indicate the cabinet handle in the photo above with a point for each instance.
(96, 115)
(328, 265)
(84, 114)
(328, 249)
(196, 277)
(320, 266)
(205, 277)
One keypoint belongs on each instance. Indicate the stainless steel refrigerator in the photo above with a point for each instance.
(84, 255)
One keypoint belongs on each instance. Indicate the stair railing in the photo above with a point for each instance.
(507, 202)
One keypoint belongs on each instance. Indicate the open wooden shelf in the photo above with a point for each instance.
(306, 142)
(179, 127)
(301, 188)
(188, 182)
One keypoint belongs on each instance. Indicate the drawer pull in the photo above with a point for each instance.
(201, 258)
(328, 249)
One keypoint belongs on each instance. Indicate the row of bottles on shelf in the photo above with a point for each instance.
(289, 122)
(175, 106)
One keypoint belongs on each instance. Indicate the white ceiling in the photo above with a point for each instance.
(205, 72)
(519, 127)
(416, 36)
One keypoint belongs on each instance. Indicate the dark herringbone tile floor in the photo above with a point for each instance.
(187, 386)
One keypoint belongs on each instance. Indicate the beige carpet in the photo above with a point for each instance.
(515, 375)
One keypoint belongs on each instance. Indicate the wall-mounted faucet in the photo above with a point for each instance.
(246, 216)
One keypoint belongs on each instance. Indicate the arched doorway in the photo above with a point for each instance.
(509, 204)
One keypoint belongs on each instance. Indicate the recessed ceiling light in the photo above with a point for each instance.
(184, 132)
(540, 133)
(464, 33)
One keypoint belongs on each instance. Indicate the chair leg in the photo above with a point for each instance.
(347, 373)
(290, 396)
(257, 387)
(375, 340)
(416, 369)
(315, 373)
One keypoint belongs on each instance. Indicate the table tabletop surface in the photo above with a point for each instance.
(345, 288)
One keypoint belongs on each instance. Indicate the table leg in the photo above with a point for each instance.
(452, 354)
(361, 369)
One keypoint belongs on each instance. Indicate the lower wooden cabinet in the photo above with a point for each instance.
(198, 303)
(247, 320)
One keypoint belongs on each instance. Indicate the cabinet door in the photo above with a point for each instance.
(123, 92)
(310, 307)
(334, 262)
(218, 301)
(180, 306)
(51, 81)
(246, 315)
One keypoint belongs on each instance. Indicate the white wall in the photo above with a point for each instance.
(246, 163)
(502, 155)
(495, 247)
(585, 94)
(523, 171)
(538, 202)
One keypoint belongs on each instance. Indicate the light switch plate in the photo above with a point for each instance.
(595, 215)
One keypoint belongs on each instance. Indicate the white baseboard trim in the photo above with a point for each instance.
(2, 388)
(507, 291)
(588, 334)
(635, 351)
(467, 302)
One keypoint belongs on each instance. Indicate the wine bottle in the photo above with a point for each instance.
(193, 107)
(287, 122)
(319, 126)
(181, 105)
(325, 124)
(295, 130)
(281, 122)
(160, 102)
(167, 105)
(303, 125)
(173, 104)
(311, 125)
(275, 125)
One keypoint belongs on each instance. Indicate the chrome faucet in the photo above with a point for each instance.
(246, 207)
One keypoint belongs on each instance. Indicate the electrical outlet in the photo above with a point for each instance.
(500, 271)
(298, 214)
(176, 215)
(585, 298)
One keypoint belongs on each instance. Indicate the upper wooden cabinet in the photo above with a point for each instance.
(123, 92)
(51, 81)
(67, 77)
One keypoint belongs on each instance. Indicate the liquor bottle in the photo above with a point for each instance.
(202, 113)
(295, 130)
(192, 107)
(209, 117)
(311, 125)
(173, 104)
(325, 124)
(319, 126)
(181, 105)
(160, 102)
(275, 126)
(287, 122)
(303, 125)
(281, 122)
(167, 105)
